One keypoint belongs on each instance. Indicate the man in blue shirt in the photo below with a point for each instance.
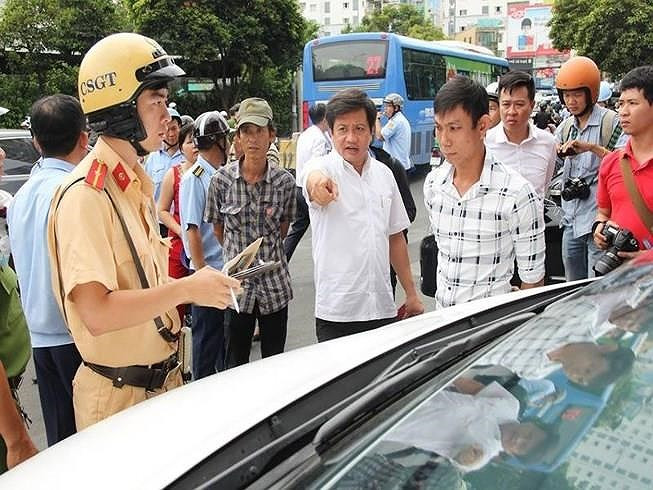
(58, 125)
(200, 244)
(396, 133)
(583, 139)
(159, 162)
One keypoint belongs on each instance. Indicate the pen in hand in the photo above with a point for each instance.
(234, 300)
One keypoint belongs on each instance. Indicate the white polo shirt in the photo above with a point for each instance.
(534, 158)
(351, 248)
(312, 143)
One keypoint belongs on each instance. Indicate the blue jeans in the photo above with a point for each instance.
(578, 255)
(208, 341)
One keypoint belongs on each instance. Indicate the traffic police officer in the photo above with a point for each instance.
(396, 133)
(200, 244)
(109, 264)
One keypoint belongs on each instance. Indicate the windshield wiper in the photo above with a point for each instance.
(424, 363)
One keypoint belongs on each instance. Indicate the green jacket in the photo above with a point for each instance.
(15, 348)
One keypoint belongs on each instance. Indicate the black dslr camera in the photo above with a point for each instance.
(569, 152)
(619, 240)
(575, 188)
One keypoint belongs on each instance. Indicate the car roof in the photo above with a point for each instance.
(156, 441)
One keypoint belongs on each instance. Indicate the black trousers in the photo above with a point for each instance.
(326, 330)
(207, 325)
(273, 329)
(299, 226)
(55, 369)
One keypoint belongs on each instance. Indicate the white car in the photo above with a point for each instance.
(318, 417)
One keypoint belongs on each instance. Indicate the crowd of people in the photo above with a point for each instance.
(121, 249)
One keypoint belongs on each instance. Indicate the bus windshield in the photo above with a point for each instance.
(358, 60)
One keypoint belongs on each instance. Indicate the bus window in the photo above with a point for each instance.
(497, 71)
(349, 61)
(424, 73)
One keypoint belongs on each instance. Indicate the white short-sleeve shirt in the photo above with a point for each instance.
(449, 422)
(351, 249)
(534, 158)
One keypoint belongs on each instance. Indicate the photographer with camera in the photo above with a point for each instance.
(583, 139)
(624, 221)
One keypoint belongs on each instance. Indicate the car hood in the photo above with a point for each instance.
(153, 443)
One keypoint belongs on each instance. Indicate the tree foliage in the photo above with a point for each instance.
(245, 47)
(617, 35)
(402, 19)
(42, 43)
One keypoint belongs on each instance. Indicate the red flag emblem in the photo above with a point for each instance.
(121, 177)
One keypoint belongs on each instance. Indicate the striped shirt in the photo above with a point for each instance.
(480, 234)
(566, 322)
(247, 212)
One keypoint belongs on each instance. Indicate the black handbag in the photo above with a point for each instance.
(428, 263)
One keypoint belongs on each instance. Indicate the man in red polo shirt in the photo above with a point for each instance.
(614, 202)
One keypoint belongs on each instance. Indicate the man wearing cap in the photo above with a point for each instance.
(200, 244)
(109, 264)
(396, 133)
(249, 199)
(160, 161)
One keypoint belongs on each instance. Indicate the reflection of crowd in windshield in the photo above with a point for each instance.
(526, 403)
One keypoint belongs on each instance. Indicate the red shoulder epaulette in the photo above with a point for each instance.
(96, 175)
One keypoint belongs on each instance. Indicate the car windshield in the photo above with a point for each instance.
(563, 402)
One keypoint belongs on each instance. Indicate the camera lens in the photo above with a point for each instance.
(607, 262)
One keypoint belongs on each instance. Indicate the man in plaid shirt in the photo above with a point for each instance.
(247, 199)
(564, 336)
(483, 215)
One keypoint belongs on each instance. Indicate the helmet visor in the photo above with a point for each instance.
(165, 68)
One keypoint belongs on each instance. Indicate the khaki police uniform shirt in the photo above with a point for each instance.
(87, 244)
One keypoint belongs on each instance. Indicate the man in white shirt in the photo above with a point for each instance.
(396, 133)
(516, 141)
(313, 142)
(483, 215)
(471, 426)
(357, 217)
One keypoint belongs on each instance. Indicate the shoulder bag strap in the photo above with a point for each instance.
(566, 128)
(640, 206)
(165, 332)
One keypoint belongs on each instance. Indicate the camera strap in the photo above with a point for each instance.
(640, 206)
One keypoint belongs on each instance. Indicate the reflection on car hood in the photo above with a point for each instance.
(155, 442)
